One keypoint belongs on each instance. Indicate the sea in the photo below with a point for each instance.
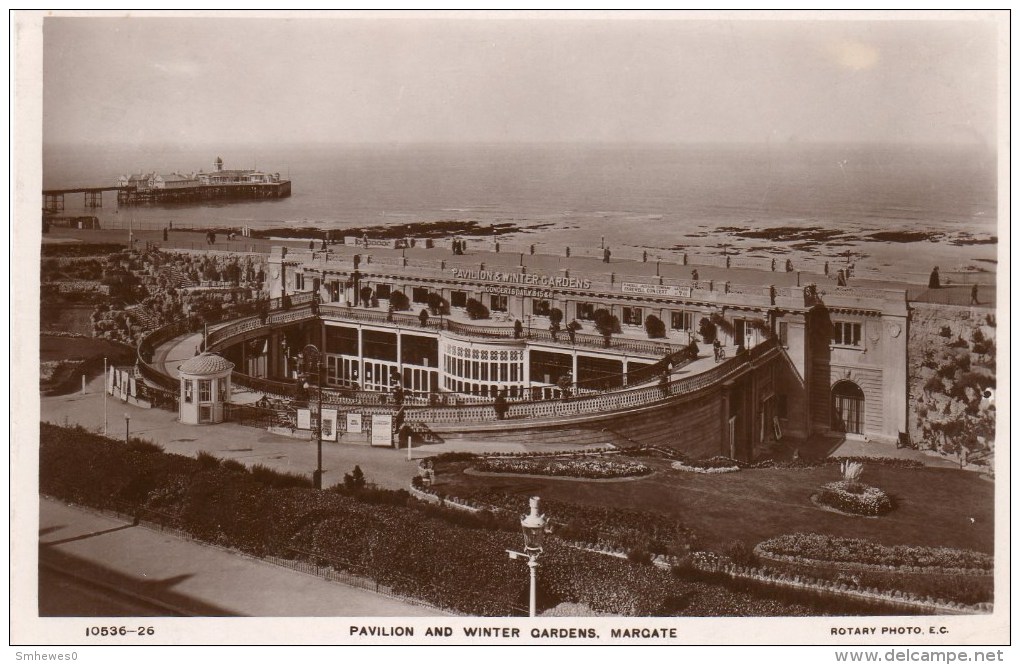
(644, 195)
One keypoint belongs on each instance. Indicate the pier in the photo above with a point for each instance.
(53, 199)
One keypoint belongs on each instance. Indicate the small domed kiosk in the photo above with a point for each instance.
(205, 388)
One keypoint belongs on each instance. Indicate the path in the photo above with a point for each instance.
(188, 577)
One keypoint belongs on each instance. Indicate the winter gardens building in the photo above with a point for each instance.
(576, 346)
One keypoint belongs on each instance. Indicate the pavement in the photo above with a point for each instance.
(189, 578)
(385, 467)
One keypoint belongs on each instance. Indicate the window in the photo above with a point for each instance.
(458, 298)
(189, 390)
(498, 303)
(681, 320)
(540, 307)
(204, 390)
(846, 333)
(586, 311)
(382, 291)
(420, 295)
(784, 333)
(221, 389)
(299, 281)
(632, 316)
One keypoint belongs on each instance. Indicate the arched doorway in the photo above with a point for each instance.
(848, 407)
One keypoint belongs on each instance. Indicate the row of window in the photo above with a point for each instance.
(483, 371)
(485, 354)
(205, 390)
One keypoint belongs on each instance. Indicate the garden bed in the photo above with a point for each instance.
(854, 498)
(711, 465)
(592, 468)
(815, 548)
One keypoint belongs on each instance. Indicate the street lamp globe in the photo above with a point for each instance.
(533, 525)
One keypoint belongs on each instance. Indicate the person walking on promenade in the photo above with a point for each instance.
(934, 282)
(606, 254)
(973, 295)
(694, 274)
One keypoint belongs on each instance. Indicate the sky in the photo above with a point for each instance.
(398, 80)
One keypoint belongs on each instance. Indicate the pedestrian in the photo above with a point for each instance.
(973, 295)
(311, 244)
(933, 281)
(826, 268)
(165, 237)
(694, 274)
(323, 248)
(500, 405)
(605, 255)
(841, 277)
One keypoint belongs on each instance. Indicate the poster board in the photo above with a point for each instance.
(382, 430)
(354, 423)
(304, 419)
(329, 428)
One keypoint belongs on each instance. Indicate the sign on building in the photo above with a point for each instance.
(382, 430)
(304, 419)
(656, 290)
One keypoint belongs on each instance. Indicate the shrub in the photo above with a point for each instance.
(741, 553)
(639, 555)
(437, 304)
(273, 478)
(945, 332)
(399, 301)
(958, 343)
(654, 326)
(234, 465)
(555, 316)
(355, 480)
(207, 460)
(606, 324)
(476, 310)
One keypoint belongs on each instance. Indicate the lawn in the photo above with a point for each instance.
(934, 506)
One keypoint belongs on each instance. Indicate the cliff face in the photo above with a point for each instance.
(952, 364)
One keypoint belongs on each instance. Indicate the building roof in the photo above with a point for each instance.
(205, 364)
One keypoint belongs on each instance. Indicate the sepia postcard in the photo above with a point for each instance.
(511, 328)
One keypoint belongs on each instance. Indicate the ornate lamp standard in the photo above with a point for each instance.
(534, 527)
(312, 361)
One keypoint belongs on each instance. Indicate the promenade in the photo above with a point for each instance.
(135, 564)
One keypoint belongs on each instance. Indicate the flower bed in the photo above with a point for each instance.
(826, 461)
(855, 498)
(571, 467)
(813, 547)
(710, 465)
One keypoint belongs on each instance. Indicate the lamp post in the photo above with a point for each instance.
(311, 354)
(127, 428)
(106, 379)
(534, 527)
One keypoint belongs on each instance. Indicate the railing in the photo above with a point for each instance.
(602, 403)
